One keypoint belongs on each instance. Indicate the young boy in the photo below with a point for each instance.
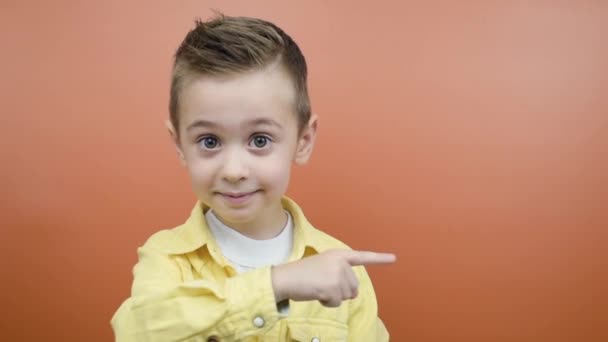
(246, 265)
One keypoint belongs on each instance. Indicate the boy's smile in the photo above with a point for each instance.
(238, 138)
(237, 198)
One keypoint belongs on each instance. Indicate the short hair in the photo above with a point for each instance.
(230, 45)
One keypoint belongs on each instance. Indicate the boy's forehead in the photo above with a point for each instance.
(255, 94)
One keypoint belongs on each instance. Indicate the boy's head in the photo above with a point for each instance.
(240, 116)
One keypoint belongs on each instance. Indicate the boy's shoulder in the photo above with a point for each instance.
(161, 239)
(311, 235)
(324, 241)
(183, 238)
(165, 241)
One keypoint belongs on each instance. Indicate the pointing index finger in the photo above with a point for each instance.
(358, 258)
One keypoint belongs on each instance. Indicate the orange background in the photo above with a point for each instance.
(471, 138)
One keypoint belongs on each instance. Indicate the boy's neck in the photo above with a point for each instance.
(269, 224)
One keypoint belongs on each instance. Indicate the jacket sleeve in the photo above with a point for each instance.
(364, 324)
(163, 308)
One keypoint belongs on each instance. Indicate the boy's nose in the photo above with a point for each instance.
(235, 167)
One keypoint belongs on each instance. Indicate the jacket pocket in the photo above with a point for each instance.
(316, 331)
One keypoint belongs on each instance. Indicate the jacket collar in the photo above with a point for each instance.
(195, 233)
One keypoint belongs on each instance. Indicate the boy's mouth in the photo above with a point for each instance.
(237, 197)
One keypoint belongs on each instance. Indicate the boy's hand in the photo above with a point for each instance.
(327, 277)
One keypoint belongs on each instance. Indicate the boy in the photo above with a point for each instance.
(246, 265)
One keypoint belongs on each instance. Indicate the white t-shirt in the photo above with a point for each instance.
(245, 253)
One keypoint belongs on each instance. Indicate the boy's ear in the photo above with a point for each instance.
(175, 139)
(306, 141)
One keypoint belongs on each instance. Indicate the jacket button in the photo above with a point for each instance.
(258, 322)
(315, 339)
(213, 339)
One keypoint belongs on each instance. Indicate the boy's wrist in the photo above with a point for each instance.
(280, 293)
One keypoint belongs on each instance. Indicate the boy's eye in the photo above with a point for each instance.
(260, 141)
(209, 142)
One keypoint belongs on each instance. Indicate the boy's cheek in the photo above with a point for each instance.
(200, 178)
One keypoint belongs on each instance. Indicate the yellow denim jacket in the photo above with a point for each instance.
(184, 290)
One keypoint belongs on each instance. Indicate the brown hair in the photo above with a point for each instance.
(228, 45)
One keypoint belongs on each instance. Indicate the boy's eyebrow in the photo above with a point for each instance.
(264, 121)
(254, 122)
(201, 123)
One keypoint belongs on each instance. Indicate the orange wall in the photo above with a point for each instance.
(471, 138)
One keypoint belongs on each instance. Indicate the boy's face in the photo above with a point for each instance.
(238, 139)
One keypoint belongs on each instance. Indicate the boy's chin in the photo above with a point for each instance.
(238, 215)
(242, 215)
